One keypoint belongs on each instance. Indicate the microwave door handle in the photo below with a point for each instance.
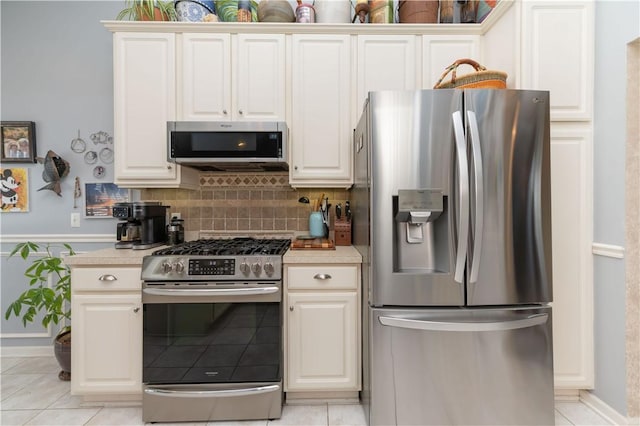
(463, 174)
(479, 190)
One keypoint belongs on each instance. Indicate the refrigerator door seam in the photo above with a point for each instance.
(479, 190)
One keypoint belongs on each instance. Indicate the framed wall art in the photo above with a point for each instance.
(18, 142)
(100, 198)
(14, 183)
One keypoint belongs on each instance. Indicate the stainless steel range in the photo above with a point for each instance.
(212, 334)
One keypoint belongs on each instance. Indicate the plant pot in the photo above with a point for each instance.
(143, 15)
(62, 351)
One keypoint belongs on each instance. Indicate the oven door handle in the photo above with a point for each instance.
(209, 393)
(211, 291)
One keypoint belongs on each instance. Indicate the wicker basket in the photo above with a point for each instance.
(480, 79)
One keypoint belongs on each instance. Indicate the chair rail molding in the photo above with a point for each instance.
(608, 250)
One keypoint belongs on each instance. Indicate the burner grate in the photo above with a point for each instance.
(228, 247)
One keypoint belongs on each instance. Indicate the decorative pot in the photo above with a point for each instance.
(193, 10)
(62, 351)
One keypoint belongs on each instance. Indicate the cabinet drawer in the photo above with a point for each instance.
(322, 277)
(105, 279)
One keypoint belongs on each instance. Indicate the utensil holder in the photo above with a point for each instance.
(316, 225)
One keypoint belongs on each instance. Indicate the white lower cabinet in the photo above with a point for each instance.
(322, 316)
(106, 354)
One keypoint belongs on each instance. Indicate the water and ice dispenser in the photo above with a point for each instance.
(421, 231)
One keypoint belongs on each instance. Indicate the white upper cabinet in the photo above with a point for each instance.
(557, 55)
(320, 132)
(144, 100)
(231, 77)
(440, 51)
(375, 55)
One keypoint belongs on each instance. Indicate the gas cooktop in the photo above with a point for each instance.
(217, 259)
(228, 247)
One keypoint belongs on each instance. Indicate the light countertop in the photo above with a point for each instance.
(109, 256)
(342, 254)
(112, 256)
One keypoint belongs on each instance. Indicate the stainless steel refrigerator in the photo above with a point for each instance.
(451, 212)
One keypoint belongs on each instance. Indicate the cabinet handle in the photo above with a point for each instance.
(291, 308)
(322, 277)
(136, 310)
(295, 167)
(107, 277)
(240, 112)
(169, 167)
(224, 111)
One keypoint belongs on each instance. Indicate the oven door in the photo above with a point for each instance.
(212, 352)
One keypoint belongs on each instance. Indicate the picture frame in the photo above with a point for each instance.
(18, 143)
(100, 198)
(14, 182)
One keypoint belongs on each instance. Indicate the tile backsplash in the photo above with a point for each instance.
(244, 202)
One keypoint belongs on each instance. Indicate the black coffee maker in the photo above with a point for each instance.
(129, 228)
(153, 221)
(142, 225)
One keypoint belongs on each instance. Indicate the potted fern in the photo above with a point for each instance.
(148, 10)
(52, 302)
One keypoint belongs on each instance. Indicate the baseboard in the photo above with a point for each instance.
(566, 394)
(26, 351)
(604, 410)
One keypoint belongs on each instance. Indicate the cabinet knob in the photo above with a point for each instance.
(169, 167)
(291, 308)
(295, 167)
(322, 277)
(136, 310)
(240, 112)
(107, 277)
(224, 111)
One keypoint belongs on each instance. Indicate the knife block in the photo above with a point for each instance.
(342, 231)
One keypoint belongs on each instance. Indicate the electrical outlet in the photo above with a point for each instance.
(176, 215)
(75, 220)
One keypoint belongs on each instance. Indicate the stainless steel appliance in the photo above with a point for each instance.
(212, 334)
(229, 146)
(451, 212)
(128, 228)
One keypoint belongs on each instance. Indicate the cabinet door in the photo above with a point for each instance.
(106, 355)
(259, 77)
(375, 56)
(440, 51)
(144, 97)
(322, 341)
(205, 77)
(571, 218)
(557, 55)
(320, 136)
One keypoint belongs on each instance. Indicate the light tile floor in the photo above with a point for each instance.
(31, 394)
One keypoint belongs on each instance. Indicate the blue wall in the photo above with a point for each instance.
(56, 62)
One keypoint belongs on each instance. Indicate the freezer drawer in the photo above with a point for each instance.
(461, 367)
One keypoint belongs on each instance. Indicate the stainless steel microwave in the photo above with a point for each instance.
(229, 145)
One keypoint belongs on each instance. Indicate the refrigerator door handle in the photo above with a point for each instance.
(501, 325)
(463, 174)
(479, 190)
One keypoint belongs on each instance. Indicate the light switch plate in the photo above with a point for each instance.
(75, 220)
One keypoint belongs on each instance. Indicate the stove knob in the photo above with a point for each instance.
(268, 268)
(167, 266)
(244, 267)
(256, 268)
(179, 267)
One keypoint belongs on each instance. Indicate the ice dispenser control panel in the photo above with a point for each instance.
(419, 205)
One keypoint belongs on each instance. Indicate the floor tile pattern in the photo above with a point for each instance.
(31, 394)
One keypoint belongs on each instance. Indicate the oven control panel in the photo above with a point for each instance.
(212, 266)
